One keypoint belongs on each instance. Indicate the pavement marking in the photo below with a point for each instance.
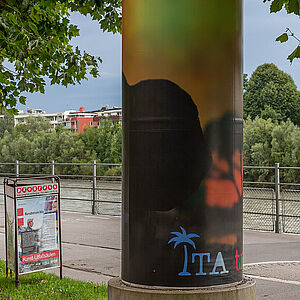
(274, 279)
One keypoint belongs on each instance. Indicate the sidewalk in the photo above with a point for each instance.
(91, 252)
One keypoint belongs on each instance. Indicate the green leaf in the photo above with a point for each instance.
(22, 100)
(282, 38)
(276, 5)
(33, 27)
(292, 6)
(294, 54)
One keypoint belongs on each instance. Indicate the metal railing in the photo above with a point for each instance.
(83, 191)
(270, 205)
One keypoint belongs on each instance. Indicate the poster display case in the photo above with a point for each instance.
(32, 224)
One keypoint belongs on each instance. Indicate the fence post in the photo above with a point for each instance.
(17, 168)
(94, 185)
(53, 168)
(277, 197)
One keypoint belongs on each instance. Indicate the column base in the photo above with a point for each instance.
(244, 290)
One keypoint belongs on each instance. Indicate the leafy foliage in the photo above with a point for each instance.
(291, 7)
(271, 92)
(35, 44)
(6, 124)
(35, 142)
(267, 142)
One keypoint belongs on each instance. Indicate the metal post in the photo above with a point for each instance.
(16, 240)
(277, 198)
(59, 229)
(94, 185)
(5, 220)
(53, 168)
(17, 168)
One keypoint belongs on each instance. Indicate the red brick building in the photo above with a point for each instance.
(81, 120)
(78, 121)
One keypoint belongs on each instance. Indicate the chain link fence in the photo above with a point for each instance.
(272, 206)
(259, 208)
(290, 202)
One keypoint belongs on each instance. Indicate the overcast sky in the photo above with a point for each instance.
(260, 31)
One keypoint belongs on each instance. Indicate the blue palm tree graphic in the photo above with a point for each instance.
(183, 238)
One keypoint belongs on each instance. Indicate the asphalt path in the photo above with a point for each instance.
(91, 252)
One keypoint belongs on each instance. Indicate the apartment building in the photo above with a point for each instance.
(55, 119)
(72, 119)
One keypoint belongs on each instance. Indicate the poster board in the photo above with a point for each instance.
(33, 233)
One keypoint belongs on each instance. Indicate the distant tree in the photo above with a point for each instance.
(257, 149)
(33, 125)
(245, 81)
(269, 87)
(267, 142)
(6, 124)
(270, 113)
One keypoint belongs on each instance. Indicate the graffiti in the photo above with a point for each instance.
(180, 239)
(238, 261)
(183, 238)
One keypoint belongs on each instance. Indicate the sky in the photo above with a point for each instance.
(260, 31)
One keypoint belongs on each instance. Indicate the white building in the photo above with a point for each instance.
(54, 118)
(69, 117)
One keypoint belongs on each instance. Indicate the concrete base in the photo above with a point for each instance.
(118, 290)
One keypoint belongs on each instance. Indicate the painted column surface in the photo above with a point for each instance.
(182, 156)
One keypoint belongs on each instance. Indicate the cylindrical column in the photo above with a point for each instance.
(182, 156)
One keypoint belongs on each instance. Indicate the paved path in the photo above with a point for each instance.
(91, 251)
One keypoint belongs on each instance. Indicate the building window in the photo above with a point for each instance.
(90, 123)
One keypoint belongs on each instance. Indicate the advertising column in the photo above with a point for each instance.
(182, 123)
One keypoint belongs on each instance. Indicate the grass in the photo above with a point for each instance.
(48, 286)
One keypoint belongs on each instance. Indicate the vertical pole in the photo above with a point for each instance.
(16, 240)
(6, 258)
(277, 198)
(53, 170)
(59, 230)
(17, 168)
(94, 186)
